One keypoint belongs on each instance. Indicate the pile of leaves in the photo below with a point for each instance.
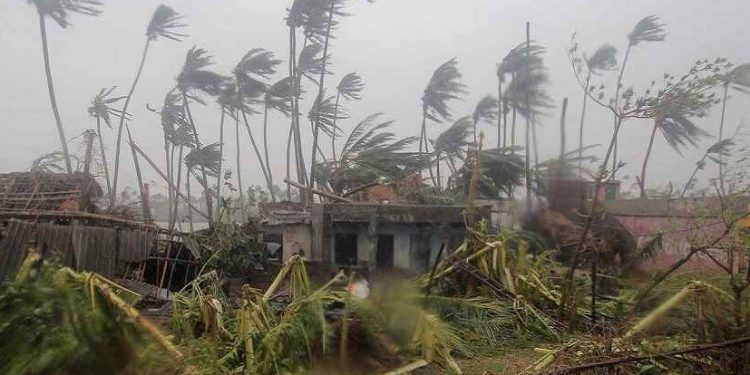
(56, 321)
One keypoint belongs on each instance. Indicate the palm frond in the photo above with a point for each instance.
(163, 23)
(443, 86)
(648, 29)
(278, 96)
(739, 78)
(59, 10)
(351, 86)
(679, 131)
(259, 62)
(514, 63)
(604, 58)
(327, 113)
(310, 61)
(486, 109)
(100, 106)
(454, 139)
(195, 76)
(208, 157)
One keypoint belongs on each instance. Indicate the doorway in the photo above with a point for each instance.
(384, 256)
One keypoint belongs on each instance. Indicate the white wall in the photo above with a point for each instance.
(296, 238)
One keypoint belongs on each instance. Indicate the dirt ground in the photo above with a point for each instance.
(509, 362)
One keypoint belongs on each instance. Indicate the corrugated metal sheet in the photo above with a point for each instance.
(89, 248)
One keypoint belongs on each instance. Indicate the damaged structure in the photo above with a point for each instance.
(56, 214)
(366, 235)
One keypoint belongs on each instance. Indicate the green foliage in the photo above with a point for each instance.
(52, 323)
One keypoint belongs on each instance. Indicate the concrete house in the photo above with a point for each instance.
(378, 237)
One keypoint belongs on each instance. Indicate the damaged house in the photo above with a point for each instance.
(365, 235)
(56, 213)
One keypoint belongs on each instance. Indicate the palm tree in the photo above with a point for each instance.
(713, 153)
(255, 65)
(648, 29)
(278, 97)
(674, 105)
(350, 87)
(100, 109)
(678, 131)
(194, 79)
(453, 142)
(370, 153)
(514, 65)
(163, 23)
(58, 11)
(603, 59)
(739, 80)
(325, 11)
(444, 85)
(486, 110)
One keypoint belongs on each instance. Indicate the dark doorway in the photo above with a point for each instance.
(345, 249)
(384, 256)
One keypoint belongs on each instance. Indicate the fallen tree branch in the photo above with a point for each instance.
(616, 361)
(164, 177)
(318, 192)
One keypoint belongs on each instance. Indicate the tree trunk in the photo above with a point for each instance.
(239, 173)
(139, 179)
(692, 176)
(265, 150)
(179, 186)
(116, 172)
(617, 101)
(299, 158)
(220, 176)
(321, 87)
(568, 281)
(580, 126)
(333, 136)
(289, 161)
(190, 196)
(52, 97)
(104, 154)
(721, 137)
(206, 190)
(505, 123)
(562, 132)
(528, 123)
(256, 150)
(500, 111)
(164, 177)
(642, 182)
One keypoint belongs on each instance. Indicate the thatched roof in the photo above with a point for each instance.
(48, 191)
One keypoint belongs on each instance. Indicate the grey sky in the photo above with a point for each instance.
(394, 44)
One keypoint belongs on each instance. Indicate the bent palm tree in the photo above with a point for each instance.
(603, 59)
(713, 153)
(193, 80)
(100, 109)
(370, 153)
(255, 65)
(453, 141)
(444, 85)
(59, 10)
(486, 110)
(350, 88)
(648, 29)
(278, 97)
(163, 23)
(739, 80)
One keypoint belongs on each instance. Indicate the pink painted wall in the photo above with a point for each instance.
(679, 233)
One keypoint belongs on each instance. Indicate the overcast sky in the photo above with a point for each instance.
(393, 44)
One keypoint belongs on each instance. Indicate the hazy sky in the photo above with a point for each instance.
(394, 45)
